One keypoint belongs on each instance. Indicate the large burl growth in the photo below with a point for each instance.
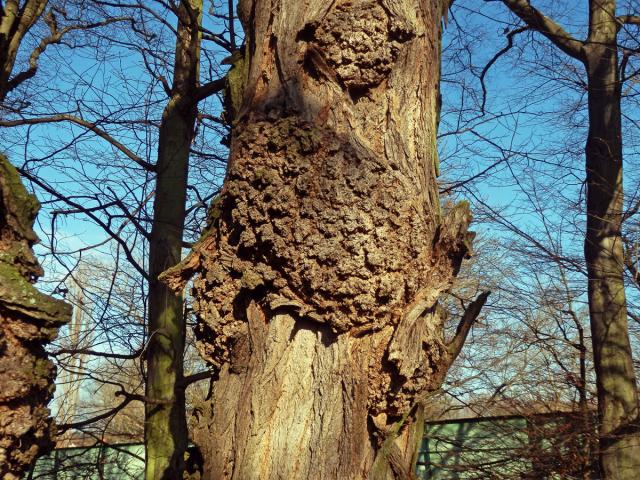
(317, 282)
(28, 320)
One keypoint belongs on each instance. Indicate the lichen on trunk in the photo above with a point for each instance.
(28, 321)
(317, 286)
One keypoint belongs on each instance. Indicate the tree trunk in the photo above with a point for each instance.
(616, 382)
(318, 284)
(166, 434)
(15, 21)
(28, 321)
(619, 430)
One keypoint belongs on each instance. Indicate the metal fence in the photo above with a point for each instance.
(100, 462)
(515, 447)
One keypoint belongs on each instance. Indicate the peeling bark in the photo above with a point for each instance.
(318, 281)
(28, 321)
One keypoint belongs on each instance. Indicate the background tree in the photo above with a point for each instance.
(28, 321)
(166, 433)
(18, 19)
(513, 142)
(603, 247)
(128, 121)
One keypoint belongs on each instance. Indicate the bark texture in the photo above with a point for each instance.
(317, 284)
(166, 433)
(28, 321)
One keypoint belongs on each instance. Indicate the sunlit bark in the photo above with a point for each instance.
(317, 285)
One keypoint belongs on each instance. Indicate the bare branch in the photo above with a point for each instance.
(495, 58)
(15, 22)
(547, 27)
(632, 268)
(210, 88)
(86, 124)
(627, 20)
(109, 413)
(95, 218)
(86, 351)
(54, 38)
(196, 377)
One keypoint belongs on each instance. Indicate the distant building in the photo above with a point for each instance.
(537, 447)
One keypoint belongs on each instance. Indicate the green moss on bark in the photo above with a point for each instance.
(28, 319)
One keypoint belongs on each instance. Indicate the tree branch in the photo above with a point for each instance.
(495, 58)
(111, 412)
(15, 22)
(196, 377)
(86, 124)
(54, 38)
(633, 269)
(627, 20)
(95, 218)
(210, 88)
(547, 27)
(85, 351)
(466, 322)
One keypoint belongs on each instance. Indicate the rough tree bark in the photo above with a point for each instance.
(166, 434)
(317, 285)
(619, 429)
(28, 321)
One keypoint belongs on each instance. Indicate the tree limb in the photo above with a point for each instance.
(627, 20)
(196, 377)
(86, 124)
(495, 58)
(85, 351)
(54, 38)
(210, 88)
(15, 22)
(633, 269)
(111, 412)
(547, 27)
(95, 218)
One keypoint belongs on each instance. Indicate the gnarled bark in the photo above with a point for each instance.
(28, 320)
(317, 285)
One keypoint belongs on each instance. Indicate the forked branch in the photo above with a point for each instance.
(547, 27)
